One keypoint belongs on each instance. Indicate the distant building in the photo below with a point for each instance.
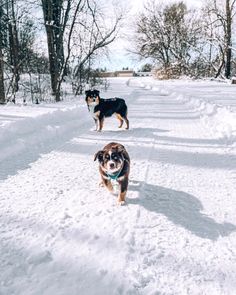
(106, 74)
(143, 74)
(124, 73)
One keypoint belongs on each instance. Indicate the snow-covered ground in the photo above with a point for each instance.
(214, 101)
(60, 233)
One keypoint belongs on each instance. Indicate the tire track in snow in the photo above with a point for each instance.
(141, 249)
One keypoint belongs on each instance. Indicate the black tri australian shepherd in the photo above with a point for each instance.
(114, 165)
(101, 108)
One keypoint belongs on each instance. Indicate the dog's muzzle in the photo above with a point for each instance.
(112, 165)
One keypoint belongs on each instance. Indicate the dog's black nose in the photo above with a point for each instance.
(112, 165)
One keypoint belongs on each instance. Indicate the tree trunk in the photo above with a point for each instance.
(53, 62)
(14, 48)
(2, 91)
(222, 64)
(228, 40)
(51, 12)
(58, 31)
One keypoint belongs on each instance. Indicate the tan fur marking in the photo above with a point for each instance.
(127, 123)
(120, 119)
(109, 185)
(121, 197)
(97, 114)
(101, 124)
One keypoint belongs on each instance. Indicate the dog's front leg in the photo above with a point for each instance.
(122, 193)
(97, 119)
(108, 185)
(101, 121)
(96, 124)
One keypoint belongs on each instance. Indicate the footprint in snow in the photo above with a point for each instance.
(102, 272)
(39, 258)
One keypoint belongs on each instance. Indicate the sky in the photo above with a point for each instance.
(119, 55)
(119, 50)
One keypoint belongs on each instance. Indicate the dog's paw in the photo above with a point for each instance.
(120, 203)
(93, 129)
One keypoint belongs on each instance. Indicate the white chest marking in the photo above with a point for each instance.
(91, 110)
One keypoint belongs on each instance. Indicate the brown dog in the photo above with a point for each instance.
(114, 165)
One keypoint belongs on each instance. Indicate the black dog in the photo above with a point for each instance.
(101, 108)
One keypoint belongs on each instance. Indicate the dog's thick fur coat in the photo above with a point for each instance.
(101, 108)
(114, 164)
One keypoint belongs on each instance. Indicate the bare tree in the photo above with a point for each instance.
(2, 90)
(222, 18)
(228, 34)
(94, 35)
(65, 21)
(55, 23)
(167, 34)
(13, 45)
(199, 42)
(77, 9)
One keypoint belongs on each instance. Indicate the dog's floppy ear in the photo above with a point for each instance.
(88, 93)
(99, 156)
(121, 148)
(96, 92)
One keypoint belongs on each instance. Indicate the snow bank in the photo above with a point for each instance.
(220, 119)
(43, 128)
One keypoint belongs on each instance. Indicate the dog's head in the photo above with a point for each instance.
(92, 97)
(111, 158)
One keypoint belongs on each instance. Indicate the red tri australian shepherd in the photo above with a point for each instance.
(114, 165)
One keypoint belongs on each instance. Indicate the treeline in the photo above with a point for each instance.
(75, 32)
(183, 41)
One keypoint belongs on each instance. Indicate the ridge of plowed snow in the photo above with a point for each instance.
(33, 132)
(215, 102)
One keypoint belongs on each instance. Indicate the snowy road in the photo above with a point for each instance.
(62, 234)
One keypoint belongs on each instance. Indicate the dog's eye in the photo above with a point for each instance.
(114, 157)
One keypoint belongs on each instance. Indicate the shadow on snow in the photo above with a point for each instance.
(180, 208)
